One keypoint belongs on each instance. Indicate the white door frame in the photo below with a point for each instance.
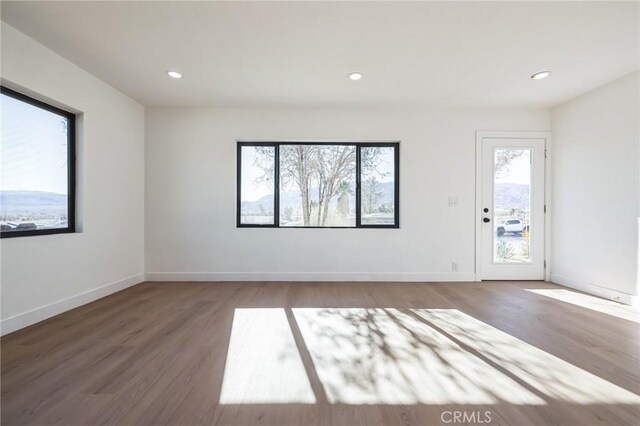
(547, 192)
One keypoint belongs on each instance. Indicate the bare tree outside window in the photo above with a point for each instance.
(317, 183)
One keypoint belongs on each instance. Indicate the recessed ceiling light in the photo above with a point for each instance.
(174, 74)
(355, 76)
(540, 75)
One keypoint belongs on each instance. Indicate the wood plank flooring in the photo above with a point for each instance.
(500, 353)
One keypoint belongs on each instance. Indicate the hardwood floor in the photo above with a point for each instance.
(508, 353)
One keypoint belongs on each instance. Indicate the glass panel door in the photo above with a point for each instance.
(512, 209)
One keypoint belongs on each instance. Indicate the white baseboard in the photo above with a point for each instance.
(310, 276)
(25, 319)
(596, 290)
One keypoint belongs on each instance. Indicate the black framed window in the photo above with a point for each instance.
(37, 189)
(318, 184)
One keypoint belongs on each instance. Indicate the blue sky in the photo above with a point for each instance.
(517, 171)
(33, 152)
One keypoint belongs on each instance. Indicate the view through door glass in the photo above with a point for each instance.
(512, 206)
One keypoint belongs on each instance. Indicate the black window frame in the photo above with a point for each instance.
(276, 185)
(71, 166)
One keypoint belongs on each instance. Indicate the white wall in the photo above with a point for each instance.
(44, 275)
(191, 195)
(187, 178)
(596, 189)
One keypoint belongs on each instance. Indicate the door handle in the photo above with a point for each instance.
(486, 220)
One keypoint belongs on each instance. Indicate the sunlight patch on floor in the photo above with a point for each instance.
(553, 377)
(263, 363)
(385, 356)
(397, 356)
(594, 303)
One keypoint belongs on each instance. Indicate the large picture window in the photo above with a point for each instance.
(318, 185)
(38, 174)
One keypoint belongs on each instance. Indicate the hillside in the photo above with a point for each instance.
(512, 195)
(292, 199)
(11, 201)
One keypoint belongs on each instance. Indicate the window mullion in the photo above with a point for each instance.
(276, 187)
(358, 203)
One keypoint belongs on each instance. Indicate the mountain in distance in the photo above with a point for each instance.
(28, 200)
(508, 196)
(512, 195)
(292, 199)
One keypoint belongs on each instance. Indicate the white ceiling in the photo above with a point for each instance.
(478, 54)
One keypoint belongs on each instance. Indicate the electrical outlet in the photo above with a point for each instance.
(454, 266)
(453, 201)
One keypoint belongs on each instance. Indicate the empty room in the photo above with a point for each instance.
(325, 213)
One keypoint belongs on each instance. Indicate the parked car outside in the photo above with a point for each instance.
(511, 226)
(26, 227)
